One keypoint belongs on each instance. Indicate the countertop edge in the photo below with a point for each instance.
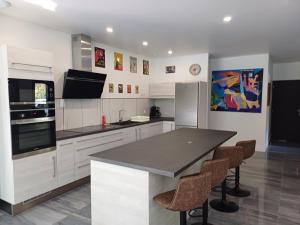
(156, 171)
(77, 134)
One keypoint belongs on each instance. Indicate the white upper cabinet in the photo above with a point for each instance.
(162, 90)
(26, 63)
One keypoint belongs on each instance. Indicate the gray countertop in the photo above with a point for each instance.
(167, 154)
(79, 132)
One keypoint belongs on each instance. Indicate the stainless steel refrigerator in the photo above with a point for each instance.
(191, 105)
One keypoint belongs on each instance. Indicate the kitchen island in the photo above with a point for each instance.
(125, 179)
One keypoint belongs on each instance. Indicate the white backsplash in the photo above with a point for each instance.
(72, 114)
(167, 106)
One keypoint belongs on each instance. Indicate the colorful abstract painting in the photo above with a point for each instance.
(237, 90)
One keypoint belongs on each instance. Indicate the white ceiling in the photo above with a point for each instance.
(185, 26)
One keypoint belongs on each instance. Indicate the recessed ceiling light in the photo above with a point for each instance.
(4, 4)
(145, 43)
(170, 52)
(45, 4)
(109, 29)
(227, 19)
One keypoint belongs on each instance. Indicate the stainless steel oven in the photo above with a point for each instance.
(32, 112)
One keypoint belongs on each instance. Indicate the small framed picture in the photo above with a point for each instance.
(137, 89)
(170, 69)
(129, 88)
(99, 57)
(133, 64)
(111, 88)
(145, 67)
(120, 88)
(118, 61)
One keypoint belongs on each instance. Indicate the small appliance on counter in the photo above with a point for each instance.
(155, 112)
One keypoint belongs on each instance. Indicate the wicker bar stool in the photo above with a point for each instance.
(248, 152)
(190, 192)
(235, 156)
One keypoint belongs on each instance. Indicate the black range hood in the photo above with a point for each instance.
(83, 85)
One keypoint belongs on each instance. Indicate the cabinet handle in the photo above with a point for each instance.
(54, 166)
(81, 149)
(62, 145)
(84, 165)
(26, 64)
(90, 139)
(154, 125)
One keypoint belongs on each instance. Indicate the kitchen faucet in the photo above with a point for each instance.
(120, 114)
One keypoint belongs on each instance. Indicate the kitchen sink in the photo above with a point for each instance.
(124, 123)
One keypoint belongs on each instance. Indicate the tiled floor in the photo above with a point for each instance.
(274, 181)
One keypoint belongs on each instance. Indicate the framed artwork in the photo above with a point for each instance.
(170, 69)
(145, 67)
(129, 88)
(118, 61)
(111, 88)
(99, 57)
(133, 64)
(137, 89)
(120, 88)
(237, 90)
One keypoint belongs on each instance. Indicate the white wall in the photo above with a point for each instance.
(182, 74)
(286, 71)
(22, 34)
(124, 77)
(248, 125)
(77, 113)
(182, 64)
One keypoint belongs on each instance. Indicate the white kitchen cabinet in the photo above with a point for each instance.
(168, 126)
(65, 161)
(162, 90)
(149, 130)
(34, 176)
(91, 144)
(29, 59)
(130, 135)
(39, 174)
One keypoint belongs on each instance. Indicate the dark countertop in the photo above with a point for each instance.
(79, 132)
(167, 154)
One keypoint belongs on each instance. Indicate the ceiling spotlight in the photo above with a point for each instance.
(45, 4)
(227, 19)
(4, 4)
(109, 29)
(170, 52)
(145, 43)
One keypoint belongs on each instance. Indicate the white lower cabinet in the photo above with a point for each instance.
(88, 145)
(168, 126)
(149, 130)
(65, 162)
(34, 176)
(39, 174)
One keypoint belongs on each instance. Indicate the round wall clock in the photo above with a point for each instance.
(195, 69)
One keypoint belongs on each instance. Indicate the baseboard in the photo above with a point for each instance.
(21, 207)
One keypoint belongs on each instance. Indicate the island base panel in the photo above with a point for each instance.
(122, 195)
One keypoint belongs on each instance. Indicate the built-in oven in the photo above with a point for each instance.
(32, 112)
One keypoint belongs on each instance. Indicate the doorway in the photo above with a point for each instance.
(285, 117)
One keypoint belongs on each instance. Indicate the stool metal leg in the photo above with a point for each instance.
(205, 214)
(237, 191)
(223, 205)
(182, 218)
